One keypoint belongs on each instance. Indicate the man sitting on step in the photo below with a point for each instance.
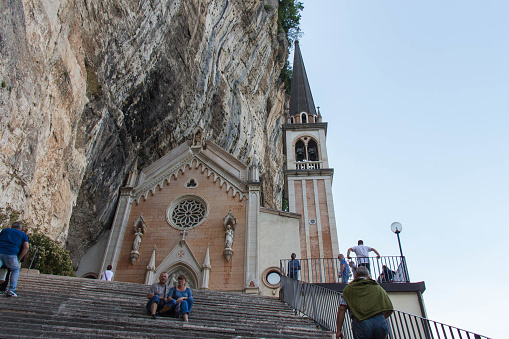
(159, 301)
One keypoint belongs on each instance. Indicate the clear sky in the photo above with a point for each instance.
(416, 94)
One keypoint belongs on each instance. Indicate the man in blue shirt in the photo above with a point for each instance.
(11, 240)
(293, 267)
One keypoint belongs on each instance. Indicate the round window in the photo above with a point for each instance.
(271, 277)
(186, 212)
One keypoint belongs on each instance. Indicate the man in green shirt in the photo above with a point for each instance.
(369, 306)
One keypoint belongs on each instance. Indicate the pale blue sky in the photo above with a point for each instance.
(416, 97)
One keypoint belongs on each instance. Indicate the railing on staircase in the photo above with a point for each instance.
(327, 270)
(321, 305)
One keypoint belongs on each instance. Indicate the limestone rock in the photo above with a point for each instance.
(89, 86)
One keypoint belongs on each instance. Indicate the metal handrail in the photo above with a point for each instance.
(389, 269)
(33, 258)
(321, 305)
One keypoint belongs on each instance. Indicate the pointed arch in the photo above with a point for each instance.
(300, 151)
(312, 148)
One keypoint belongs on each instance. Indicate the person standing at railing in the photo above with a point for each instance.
(294, 267)
(369, 306)
(344, 269)
(362, 253)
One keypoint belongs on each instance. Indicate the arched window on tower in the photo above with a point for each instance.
(313, 150)
(314, 118)
(292, 120)
(303, 118)
(300, 151)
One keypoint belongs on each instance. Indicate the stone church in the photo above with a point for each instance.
(196, 211)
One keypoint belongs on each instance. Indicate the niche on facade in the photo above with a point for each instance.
(140, 227)
(230, 224)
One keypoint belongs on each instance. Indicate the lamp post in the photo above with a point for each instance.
(396, 227)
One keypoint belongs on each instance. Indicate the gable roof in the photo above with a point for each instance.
(212, 158)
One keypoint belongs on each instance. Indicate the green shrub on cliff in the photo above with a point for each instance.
(50, 258)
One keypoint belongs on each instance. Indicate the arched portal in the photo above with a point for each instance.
(182, 269)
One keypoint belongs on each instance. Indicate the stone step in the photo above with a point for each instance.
(67, 307)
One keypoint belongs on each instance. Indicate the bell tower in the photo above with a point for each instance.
(308, 177)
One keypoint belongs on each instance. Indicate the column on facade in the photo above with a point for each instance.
(118, 229)
(252, 270)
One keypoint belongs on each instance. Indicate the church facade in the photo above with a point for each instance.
(196, 211)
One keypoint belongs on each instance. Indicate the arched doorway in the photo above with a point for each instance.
(180, 268)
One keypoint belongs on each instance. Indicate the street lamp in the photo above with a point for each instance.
(396, 227)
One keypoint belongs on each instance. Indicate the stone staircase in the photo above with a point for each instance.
(64, 307)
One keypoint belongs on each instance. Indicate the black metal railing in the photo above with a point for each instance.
(31, 259)
(327, 270)
(321, 305)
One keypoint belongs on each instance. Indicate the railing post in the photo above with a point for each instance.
(33, 257)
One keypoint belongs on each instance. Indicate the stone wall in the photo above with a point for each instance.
(89, 86)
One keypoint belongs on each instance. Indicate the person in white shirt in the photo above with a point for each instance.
(362, 253)
(108, 274)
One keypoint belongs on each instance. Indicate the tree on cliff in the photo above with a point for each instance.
(288, 21)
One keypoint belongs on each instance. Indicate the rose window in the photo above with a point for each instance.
(186, 213)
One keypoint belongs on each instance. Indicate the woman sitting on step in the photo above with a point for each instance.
(182, 297)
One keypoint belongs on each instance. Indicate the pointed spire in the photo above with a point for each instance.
(206, 262)
(133, 174)
(301, 99)
(254, 172)
(151, 268)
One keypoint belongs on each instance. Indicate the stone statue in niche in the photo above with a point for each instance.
(199, 136)
(173, 280)
(197, 139)
(139, 230)
(230, 223)
(229, 238)
(137, 239)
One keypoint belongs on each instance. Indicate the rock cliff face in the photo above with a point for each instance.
(89, 86)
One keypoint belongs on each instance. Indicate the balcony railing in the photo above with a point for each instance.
(327, 270)
(305, 165)
(321, 305)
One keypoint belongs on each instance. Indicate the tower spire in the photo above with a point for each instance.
(301, 99)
